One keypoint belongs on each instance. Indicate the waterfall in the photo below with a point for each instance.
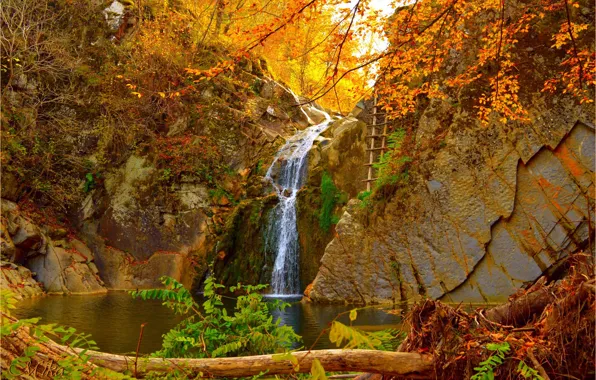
(282, 234)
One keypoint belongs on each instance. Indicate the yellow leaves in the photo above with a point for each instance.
(317, 372)
(137, 94)
(162, 94)
(562, 37)
(353, 315)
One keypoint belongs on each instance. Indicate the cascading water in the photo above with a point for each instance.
(282, 235)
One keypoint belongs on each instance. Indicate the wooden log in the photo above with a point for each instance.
(44, 364)
(383, 362)
(520, 311)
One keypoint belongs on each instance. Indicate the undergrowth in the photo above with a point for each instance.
(209, 331)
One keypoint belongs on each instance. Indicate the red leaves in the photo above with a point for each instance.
(181, 154)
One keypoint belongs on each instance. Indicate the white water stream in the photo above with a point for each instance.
(290, 166)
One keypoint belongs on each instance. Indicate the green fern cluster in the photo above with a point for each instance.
(391, 167)
(354, 338)
(329, 197)
(486, 369)
(209, 331)
(528, 372)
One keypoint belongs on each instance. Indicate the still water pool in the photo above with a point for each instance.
(114, 319)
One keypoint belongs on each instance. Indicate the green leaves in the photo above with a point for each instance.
(209, 330)
(391, 167)
(353, 314)
(486, 369)
(329, 197)
(350, 337)
(175, 296)
(89, 182)
(7, 301)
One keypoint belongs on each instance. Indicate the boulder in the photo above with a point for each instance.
(28, 236)
(19, 280)
(7, 247)
(61, 272)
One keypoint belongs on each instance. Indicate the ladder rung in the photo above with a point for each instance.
(370, 180)
(370, 164)
(379, 124)
(371, 149)
(375, 136)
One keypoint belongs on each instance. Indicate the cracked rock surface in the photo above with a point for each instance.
(486, 213)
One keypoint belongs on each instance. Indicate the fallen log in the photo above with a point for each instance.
(383, 362)
(519, 311)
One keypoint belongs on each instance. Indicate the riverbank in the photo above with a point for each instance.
(544, 332)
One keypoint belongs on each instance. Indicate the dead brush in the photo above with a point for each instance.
(553, 332)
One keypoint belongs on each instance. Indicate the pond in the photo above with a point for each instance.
(114, 319)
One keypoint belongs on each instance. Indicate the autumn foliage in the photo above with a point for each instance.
(122, 89)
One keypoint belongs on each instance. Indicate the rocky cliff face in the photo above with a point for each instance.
(138, 223)
(141, 229)
(60, 263)
(486, 211)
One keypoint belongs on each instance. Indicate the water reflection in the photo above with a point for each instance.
(114, 319)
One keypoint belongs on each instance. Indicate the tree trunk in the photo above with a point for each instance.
(388, 363)
(44, 363)
(519, 311)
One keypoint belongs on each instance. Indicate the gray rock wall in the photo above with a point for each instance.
(41, 256)
(486, 213)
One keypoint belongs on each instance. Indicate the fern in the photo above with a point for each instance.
(350, 337)
(317, 371)
(389, 339)
(486, 369)
(209, 331)
(528, 372)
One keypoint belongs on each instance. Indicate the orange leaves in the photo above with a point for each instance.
(443, 47)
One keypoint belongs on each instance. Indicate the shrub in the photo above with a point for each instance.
(210, 332)
(329, 197)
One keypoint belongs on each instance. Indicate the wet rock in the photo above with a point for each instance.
(7, 247)
(342, 153)
(120, 270)
(82, 251)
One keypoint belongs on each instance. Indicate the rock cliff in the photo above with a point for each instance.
(60, 263)
(488, 211)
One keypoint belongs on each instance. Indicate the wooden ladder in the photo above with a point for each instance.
(375, 150)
